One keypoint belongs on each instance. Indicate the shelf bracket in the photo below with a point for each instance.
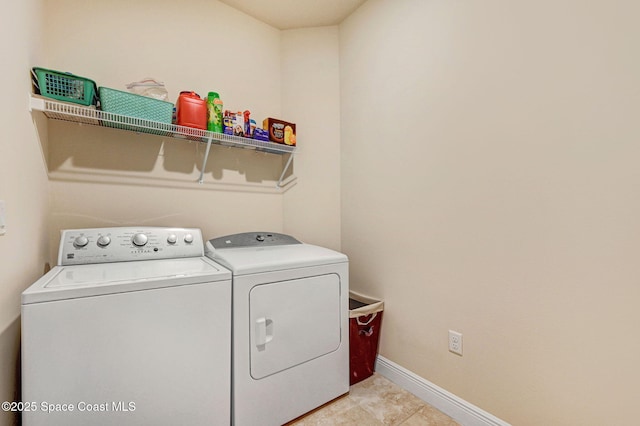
(286, 167)
(36, 104)
(206, 156)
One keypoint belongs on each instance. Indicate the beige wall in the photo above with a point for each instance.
(311, 99)
(490, 186)
(23, 186)
(104, 177)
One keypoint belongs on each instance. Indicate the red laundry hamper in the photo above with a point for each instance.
(365, 318)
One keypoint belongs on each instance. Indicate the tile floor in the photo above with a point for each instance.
(372, 402)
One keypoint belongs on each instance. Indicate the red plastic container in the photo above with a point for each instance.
(191, 110)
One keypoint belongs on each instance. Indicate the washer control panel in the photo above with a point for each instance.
(106, 245)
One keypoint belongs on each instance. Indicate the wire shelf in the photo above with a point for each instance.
(88, 115)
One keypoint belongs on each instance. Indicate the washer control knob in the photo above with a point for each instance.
(260, 238)
(171, 239)
(80, 241)
(188, 238)
(104, 241)
(139, 240)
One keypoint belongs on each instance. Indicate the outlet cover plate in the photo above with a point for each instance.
(455, 342)
(3, 218)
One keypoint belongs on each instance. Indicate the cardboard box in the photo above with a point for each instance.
(280, 131)
(261, 135)
(233, 123)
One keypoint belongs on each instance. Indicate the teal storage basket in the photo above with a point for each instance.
(65, 87)
(135, 106)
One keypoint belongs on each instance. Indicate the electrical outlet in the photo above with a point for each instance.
(455, 342)
(3, 219)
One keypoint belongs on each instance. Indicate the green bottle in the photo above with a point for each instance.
(214, 112)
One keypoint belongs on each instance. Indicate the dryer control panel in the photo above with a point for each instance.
(253, 239)
(123, 244)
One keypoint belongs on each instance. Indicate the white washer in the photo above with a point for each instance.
(131, 328)
(290, 325)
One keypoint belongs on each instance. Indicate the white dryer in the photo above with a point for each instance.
(290, 325)
(131, 328)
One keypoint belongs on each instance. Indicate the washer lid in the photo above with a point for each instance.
(251, 260)
(74, 281)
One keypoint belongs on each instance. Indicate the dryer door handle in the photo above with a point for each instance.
(264, 331)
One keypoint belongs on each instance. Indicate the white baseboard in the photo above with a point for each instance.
(457, 408)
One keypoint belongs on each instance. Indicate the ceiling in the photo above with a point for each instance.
(290, 14)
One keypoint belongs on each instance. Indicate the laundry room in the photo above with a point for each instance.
(476, 162)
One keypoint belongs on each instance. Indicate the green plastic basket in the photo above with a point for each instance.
(135, 106)
(65, 86)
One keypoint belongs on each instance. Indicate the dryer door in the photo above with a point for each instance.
(293, 322)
